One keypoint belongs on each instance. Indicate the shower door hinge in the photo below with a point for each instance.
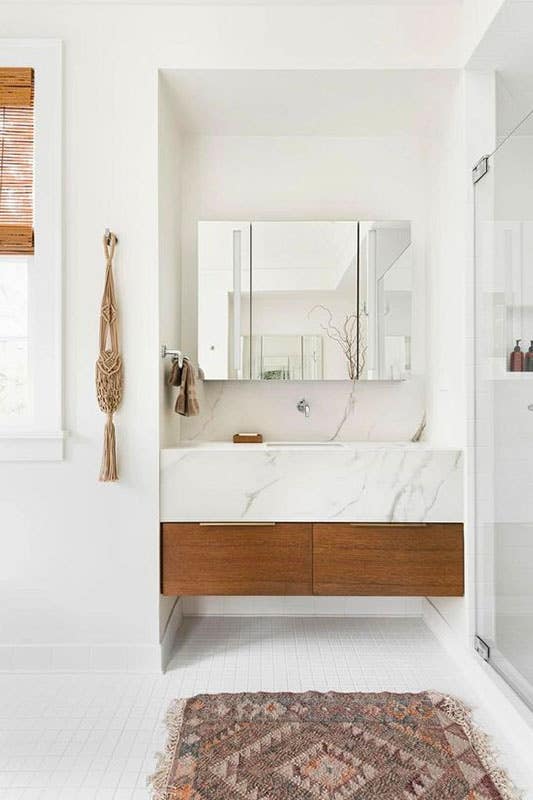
(481, 648)
(480, 169)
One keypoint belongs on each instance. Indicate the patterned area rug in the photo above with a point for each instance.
(332, 746)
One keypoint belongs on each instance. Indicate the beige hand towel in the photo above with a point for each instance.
(174, 376)
(187, 400)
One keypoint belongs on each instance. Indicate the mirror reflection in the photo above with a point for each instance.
(304, 300)
(303, 280)
(385, 300)
(223, 299)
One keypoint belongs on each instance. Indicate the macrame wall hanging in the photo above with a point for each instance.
(109, 363)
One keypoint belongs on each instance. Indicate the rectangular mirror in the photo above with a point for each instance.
(304, 300)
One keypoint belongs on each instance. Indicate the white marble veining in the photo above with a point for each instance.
(358, 482)
(340, 411)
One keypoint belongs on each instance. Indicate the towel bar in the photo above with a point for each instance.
(174, 354)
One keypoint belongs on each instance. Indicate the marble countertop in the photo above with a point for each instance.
(315, 482)
(306, 445)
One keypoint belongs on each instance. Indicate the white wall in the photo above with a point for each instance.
(80, 562)
(169, 247)
(469, 135)
(80, 558)
(447, 283)
(307, 178)
(447, 255)
(169, 241)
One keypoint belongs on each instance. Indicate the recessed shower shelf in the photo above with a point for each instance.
(513, 376)
(496, 370)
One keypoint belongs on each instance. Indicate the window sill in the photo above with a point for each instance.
(31, 445)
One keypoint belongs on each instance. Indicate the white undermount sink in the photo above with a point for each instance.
(298, 445)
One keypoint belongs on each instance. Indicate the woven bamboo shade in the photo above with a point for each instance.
(16, 161)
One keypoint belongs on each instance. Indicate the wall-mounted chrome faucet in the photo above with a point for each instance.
(303, 407)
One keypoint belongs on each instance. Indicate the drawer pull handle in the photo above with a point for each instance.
(389, 524)
(237, 524)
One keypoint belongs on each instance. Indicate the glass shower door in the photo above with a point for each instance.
(504, 407)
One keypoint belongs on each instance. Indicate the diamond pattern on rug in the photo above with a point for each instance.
(326, 771)
(330, 746)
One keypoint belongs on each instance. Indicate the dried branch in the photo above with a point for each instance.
(347, 337)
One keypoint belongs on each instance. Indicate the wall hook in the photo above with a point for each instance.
(107, 234)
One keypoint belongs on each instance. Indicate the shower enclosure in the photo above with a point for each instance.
(503, 289)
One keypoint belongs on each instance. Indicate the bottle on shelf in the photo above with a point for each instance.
(516, 362)
(528, 360)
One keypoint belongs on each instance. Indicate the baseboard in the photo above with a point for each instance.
(64, 658)
(169, 637)
(302, 606)
(515, 718)
(80, 658)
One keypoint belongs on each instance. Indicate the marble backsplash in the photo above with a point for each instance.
(365, 411)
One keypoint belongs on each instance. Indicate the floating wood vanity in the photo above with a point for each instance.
(323, 558)
(351, 519)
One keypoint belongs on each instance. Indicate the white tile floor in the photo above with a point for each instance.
(93, 737)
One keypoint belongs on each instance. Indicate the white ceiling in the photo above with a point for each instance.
(309, 102)
(507, 49)
(507, 45)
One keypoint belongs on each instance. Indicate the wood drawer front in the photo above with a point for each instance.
(388, 559)
(236, 559)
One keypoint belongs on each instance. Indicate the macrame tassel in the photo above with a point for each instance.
(109, 364)
(109, 472)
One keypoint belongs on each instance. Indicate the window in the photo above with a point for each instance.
(16, 235)
(14, 400)
(16, 160)
(30, 250)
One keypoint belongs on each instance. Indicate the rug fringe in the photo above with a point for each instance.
(158, 782)
(481, 744)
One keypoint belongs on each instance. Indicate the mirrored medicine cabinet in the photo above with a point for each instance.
(305, 300)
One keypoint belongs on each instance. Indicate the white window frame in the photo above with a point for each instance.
(40, 436)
